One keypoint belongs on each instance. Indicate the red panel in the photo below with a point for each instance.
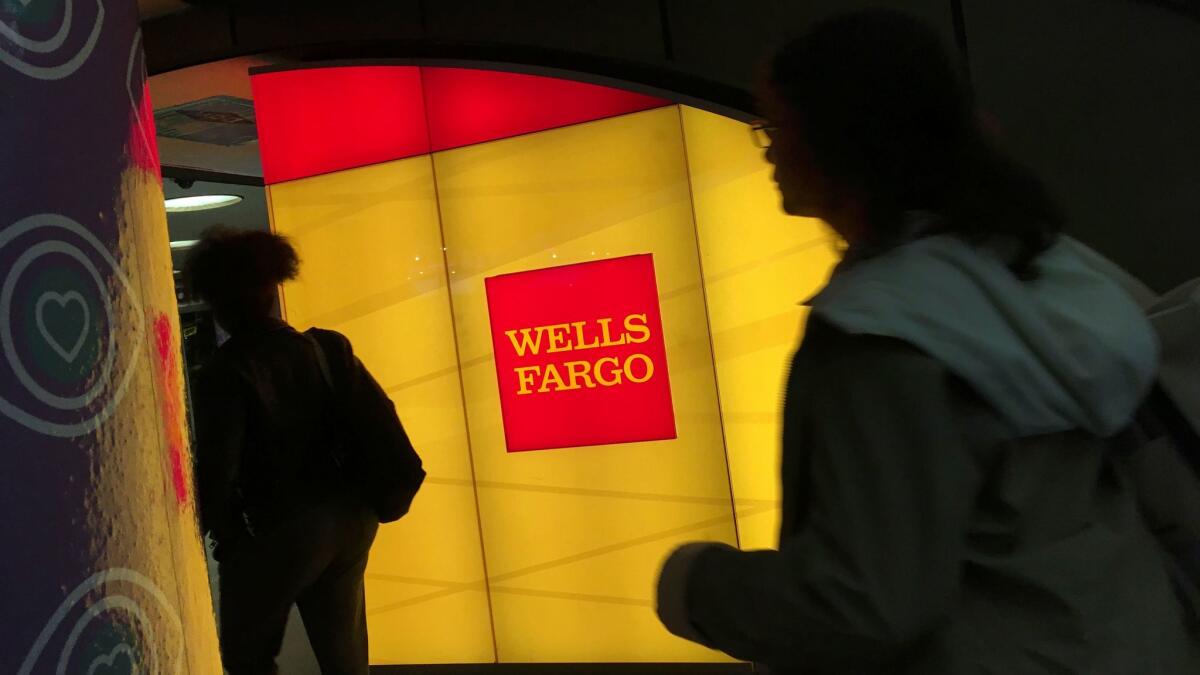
(472, 106)
(580, 356)
(320, 120)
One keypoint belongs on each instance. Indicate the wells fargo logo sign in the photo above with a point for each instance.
(579, 355)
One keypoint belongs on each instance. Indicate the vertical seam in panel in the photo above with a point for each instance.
(687, 165)
(462, 390)
(275, 230)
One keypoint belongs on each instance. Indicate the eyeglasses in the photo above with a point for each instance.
(761, 132)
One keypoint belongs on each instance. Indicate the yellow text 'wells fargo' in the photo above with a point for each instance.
(608, 371)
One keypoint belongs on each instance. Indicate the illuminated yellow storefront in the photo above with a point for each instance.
(550, 555)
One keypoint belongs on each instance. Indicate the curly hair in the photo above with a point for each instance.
(232, 268)
(888, 112)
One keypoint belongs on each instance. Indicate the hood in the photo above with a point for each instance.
(1067, 350)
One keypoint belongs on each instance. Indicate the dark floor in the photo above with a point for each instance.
(570, 669)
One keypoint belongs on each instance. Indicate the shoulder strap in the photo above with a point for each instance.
(322, 360)
(327, 376)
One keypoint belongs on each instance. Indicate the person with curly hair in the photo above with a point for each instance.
(288, 527)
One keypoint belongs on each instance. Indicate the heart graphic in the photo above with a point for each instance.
(108, 662)
(62, 300)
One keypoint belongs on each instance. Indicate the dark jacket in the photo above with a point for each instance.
(950, 503)
(264, 433)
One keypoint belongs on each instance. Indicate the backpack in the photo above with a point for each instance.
(1161, 447)
(374, 455)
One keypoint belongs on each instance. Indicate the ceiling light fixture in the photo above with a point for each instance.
(200, 203)
(183, 243)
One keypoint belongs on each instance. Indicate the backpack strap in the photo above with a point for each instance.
(327, 376)
(322, 360)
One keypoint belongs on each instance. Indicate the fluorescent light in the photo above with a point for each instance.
(200, 203)
(184, 243)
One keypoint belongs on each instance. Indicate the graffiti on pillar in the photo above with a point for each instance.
(110, 623)
(63, 300)
(49, 39)
(143, 149)
(171, 403)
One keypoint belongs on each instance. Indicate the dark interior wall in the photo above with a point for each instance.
(699, 47)
(727, 40)
(630, 30)
(1100, 97)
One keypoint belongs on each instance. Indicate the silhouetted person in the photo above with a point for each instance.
(288, 527)
(951, 503)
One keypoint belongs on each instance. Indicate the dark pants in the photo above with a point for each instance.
(316, 561)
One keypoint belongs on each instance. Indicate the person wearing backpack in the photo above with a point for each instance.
(954, 498)
(299, 457)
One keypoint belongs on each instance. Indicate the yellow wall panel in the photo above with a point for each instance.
(759, 264)
(372, 268)
(573, 537)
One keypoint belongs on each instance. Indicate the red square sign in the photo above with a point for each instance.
(580, 358)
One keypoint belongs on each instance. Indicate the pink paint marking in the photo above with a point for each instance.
(162, 339)
(143, 143)
(172, 406)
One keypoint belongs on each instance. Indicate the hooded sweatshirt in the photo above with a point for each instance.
(950, 501)
(1066, 350)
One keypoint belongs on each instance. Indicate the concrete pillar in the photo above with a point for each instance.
(102, 569)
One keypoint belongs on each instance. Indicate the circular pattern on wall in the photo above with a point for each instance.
(70, 326)
(116, 621)
(49, 39)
